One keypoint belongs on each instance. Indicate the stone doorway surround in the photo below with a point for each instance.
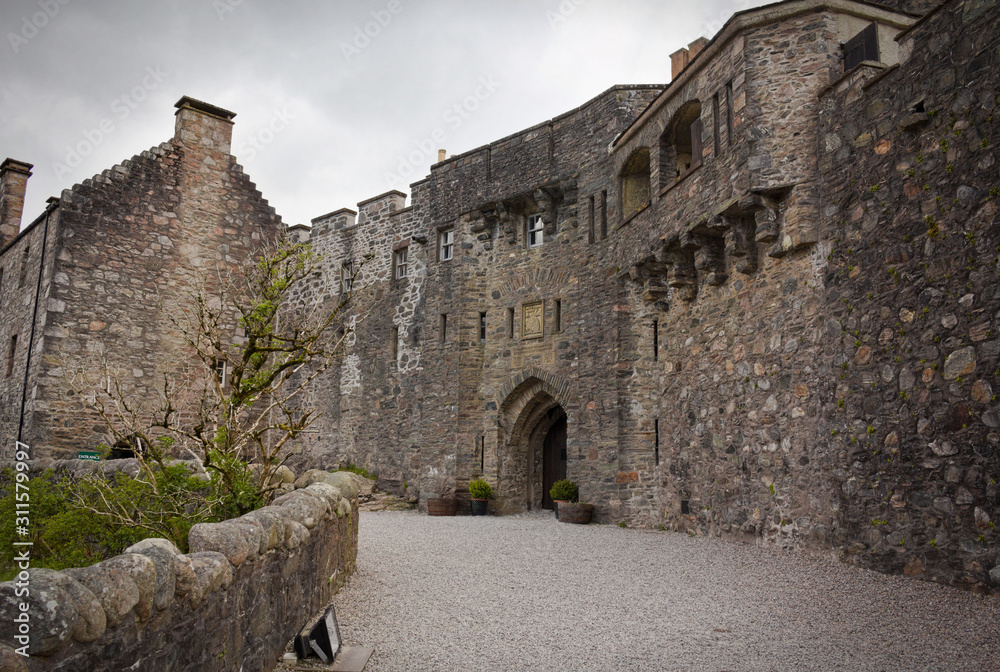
(532, 404)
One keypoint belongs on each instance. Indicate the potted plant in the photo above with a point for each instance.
(563, 492)
(480, 492)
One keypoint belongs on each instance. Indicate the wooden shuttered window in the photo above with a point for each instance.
(861, 47)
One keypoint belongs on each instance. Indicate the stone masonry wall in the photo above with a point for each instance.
(912, 301)
(127, 252)
(232, 604)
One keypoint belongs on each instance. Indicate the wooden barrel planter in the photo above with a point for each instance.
(442, 507)
(575, 513)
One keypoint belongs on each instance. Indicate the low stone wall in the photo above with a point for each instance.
(231, 604)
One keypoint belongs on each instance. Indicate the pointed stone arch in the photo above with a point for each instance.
(529, 404)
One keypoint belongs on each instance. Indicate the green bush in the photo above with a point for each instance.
(480, 489)
(565, 491)
(64, 533)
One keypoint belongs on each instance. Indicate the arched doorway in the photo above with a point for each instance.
(531, 445)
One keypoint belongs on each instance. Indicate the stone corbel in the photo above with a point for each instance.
(741, 244)
(547, 209)
(682, 275)
(767, 221)
(710, 260)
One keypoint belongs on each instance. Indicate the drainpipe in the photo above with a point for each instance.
(53, 203)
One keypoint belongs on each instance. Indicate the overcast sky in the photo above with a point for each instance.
(335, 101)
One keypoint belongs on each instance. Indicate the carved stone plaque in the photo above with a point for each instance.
(532, 320)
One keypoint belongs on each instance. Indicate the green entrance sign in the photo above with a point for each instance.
(91, 455)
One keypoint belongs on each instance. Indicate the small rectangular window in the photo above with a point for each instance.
(394, 344)
(346, 277)
(604, 215)
(481, 441)
(11, 353)
(557, 316)
(446, 240)
(656, 440)
(482, 327)
(220, 371)
(24, 267)
(534, 230)
(443, 328)
(400, 263)
(510, 323)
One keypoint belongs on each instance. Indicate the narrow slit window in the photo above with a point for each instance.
(656, 340)
(482, 327)
(510, 323)
(394, 344)
(604, 215)
(482, 453)
(557, 316)
(443, 328)
(591, 222)
(730, 132)
(656, 440)
(716, 124)
(10, 354)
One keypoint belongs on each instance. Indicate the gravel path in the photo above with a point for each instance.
(525, 592)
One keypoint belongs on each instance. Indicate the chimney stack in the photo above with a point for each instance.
(13, 182)
(203, 126)
(695, 47)
(678, 61)
(442, 155)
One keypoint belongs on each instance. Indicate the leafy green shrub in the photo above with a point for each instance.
(565, 490)
(64, 534)
(480, 489)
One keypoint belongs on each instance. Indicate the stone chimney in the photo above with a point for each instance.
(13, 182)
(678, 61)
(695, 47)
(442, 155)
(201, 125)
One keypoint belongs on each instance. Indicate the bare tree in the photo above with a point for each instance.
(256, 345)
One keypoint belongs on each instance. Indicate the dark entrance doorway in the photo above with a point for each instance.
(553, 456)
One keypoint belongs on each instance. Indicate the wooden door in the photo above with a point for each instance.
(553, 459)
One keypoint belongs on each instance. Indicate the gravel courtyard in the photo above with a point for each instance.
(525, 592)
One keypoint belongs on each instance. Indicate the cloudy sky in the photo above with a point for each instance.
(335, 101)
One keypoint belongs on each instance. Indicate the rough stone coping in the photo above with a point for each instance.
(79, 604)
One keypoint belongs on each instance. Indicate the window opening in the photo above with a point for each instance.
(635, 183)
(861, 47)
(401, 263)
(557, 316)
(534, 229)
(482, 327)
(447, 249)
